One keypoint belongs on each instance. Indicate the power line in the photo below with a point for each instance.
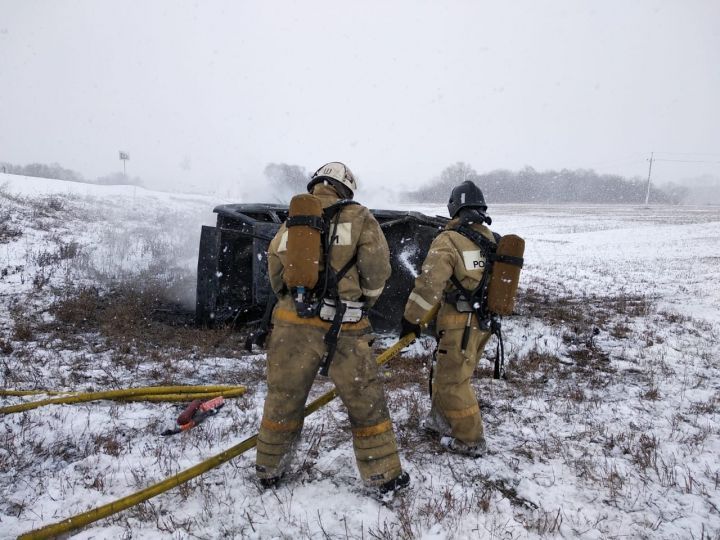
(687, 160)
(690, 153)
(629, 159)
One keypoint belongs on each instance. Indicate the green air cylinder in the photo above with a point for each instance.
(505, 277)
(304, 242)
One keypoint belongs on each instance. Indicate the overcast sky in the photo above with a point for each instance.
(206, 93)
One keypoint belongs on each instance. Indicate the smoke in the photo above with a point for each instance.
(149, 240)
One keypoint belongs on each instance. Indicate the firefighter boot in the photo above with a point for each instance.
(401, 481)
(435, 424)
(474, 450)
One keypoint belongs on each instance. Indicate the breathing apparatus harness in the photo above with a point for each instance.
(319, 300)
(324, 300)
(476, 301)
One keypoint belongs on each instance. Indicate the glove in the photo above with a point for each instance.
(260, 339)
(406, 327)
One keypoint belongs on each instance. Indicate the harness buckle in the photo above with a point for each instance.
(354, 311)
(305, 304)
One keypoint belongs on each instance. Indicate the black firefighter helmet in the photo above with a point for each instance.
(466, 195)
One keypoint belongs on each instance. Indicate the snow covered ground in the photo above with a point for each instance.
(608, 425)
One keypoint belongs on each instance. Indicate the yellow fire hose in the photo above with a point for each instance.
(150, 393)
(149, 492)
(143, 390)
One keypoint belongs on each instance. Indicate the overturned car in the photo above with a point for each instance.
(232, 278)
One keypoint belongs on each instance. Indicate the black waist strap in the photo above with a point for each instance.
(507, 259)
(316, 222)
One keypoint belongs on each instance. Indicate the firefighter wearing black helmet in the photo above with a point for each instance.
(453, 259)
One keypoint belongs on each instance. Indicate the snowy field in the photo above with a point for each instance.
(608, 425)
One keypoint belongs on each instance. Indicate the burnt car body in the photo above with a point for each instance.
(232, 278)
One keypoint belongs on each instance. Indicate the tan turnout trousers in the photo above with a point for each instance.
(294, 355)
(454, 403)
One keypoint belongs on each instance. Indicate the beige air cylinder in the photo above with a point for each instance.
(304, 249)
(505, 277)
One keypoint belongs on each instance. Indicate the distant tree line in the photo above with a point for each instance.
(43, 170)
(531, 186)
(498, 186)
(57, 172)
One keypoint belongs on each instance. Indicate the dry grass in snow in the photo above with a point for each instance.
(607, 425)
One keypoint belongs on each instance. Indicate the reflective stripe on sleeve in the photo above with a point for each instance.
(420, 301)
(373, 292)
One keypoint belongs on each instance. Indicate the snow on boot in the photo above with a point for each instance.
(473, 450)
(399, 482)
(434, 424)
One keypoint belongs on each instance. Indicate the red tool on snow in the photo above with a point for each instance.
(194, 414)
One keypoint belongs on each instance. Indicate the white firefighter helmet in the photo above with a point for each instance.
(338, 175)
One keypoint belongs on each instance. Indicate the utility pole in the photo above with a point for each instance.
(647, 193)
(124, 156)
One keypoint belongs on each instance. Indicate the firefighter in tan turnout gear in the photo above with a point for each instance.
(320, 317)
(455, 262)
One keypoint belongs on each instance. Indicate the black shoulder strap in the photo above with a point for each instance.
(478, 239)
(489, 247)
(466, 293)
(344, 270)
(477, 297)
(330, 211)
(331, 278)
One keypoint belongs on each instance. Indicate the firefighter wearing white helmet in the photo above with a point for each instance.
(338, 175)
(320, 321)
(454, 261)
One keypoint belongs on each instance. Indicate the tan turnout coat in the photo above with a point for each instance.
(450, 254)
(357, 230)
(454, 410)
